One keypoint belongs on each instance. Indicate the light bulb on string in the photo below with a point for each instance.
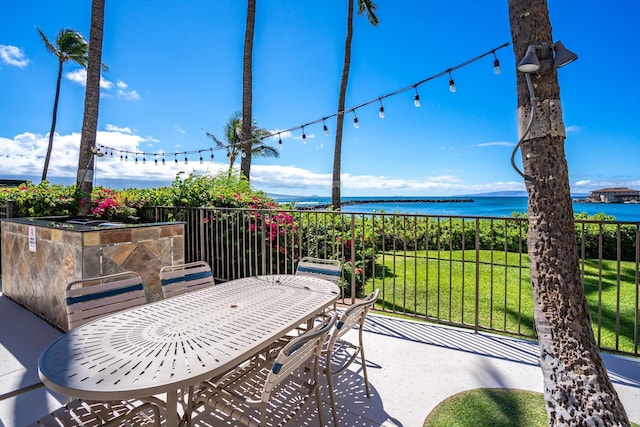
(324, 127)
(304, 136)
(244, 154)
(186, 161)
(416, 98)
(136, 158)
(201, 159)
(356, 124)
(381, 111)
(175, 158)
(452, 84)
(211, 149)
(496, 64)
(279, 141)
(163, 160)
(126, 157)
(155, 160)
(144, 159)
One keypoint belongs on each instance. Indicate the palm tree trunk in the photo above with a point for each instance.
(576, 385)
(84, 178)
(54, 119)
(247, 90)
(337, 154)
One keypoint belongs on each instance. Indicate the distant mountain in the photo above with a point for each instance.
(515, 194)
(499, 194)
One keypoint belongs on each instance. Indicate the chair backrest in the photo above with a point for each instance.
(329, 269)
(296, 353)
(88, 299)
(354, 315)
(181, 278)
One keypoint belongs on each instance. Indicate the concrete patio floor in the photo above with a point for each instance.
(412, 367)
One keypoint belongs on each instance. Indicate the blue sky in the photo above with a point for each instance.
(175, 70)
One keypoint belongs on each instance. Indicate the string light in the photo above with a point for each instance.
(201, 160)
(163, 160)
(186, 161)
(144, 159)
(356, 124)
(243, 154)
(452, 88)
(496, 64)
(211, 154)
(452, 84)
(155, 160)
(175, 158)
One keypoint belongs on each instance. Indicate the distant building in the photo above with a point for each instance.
(614, 195)
(12, 182)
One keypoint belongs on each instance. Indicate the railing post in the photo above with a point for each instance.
(476, 322)
(353, 259)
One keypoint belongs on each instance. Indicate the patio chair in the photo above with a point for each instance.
(329, 269)
(270, 392)
(90, 413)
(336, 363)
(182, 278)
(88, 299)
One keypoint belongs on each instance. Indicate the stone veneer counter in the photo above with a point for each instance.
(40, 257)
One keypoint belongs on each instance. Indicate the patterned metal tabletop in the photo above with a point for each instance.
(178, 342)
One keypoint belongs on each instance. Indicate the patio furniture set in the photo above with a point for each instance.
(248, 351)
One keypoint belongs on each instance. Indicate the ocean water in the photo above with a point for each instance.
(478, 206)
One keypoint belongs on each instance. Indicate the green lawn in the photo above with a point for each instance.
(491, 407)
(442, 286)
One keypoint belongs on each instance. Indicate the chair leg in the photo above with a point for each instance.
(364, 366)
(317, 387)
(332, 397)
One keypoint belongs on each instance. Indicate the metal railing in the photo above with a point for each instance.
(464, 271)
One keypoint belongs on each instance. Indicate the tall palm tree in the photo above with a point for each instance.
(247, 90)
(577, 388)
(69, 45)
(369, 8)
(84, 178)
(235, 144)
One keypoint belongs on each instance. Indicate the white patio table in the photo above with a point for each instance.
(170, 345)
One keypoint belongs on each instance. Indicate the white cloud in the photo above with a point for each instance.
(496, 143)
(113, 128)
(128, 95)
(25, 153)
(79, 76)
(179, 129)
(572, 129)
(12, 55)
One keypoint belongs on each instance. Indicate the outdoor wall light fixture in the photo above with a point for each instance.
(561, 57)
(531, 64)
(96, 151)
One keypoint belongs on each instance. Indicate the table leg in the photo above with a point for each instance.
(172, 408)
